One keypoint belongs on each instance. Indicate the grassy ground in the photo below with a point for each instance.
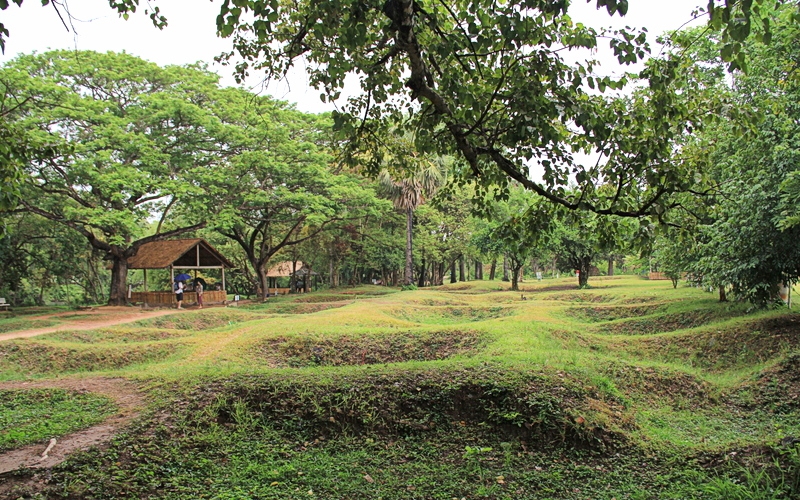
(630, 389)
(36, 415)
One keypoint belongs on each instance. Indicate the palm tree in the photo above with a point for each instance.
(408, 193)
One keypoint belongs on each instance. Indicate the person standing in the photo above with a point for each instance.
(179, 292)
(198, 289)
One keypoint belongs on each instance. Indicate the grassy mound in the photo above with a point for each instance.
(14, 324)
(314, 298)
(643, 299)
(610, 313)
(720, 348)
(200, 320)
(39, 358)
(116, 334)
(391, 347)
(579, 297)
(36, 415)
(295, 307)
(373, 291)
(449, 314)
(437, 302)
(541, 404)
(483, 432)
(655, 385)
(775, 389)
(669, 322)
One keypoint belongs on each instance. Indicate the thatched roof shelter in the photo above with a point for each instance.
(284, 270)
(188, 254)
(194, 253)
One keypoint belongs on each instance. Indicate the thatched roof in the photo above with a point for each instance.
(284, 269)
(183, 254)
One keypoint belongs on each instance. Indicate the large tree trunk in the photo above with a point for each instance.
(119, 279)
(493, 269)
(263, 281)
(722, 296)
(422, 274)
(461, 271)
(611, 266)
(409, 228)
(583, 276)
(453, 277)
(505, 268)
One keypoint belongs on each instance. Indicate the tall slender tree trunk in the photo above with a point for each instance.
(453, 278)
(492, 270)
(293, 284)
(505, 268)
(421, 282)
(461, 271)
(515, 269)
(409, 279)
(610, 266)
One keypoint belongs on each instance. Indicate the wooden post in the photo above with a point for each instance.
(145, 280)
(223, 278)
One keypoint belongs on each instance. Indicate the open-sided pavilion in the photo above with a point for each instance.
(178, 255)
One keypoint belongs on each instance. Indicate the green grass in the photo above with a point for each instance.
(12, 324)
(630, 389)
(36, 415)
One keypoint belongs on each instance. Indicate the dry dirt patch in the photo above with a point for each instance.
(129, 402)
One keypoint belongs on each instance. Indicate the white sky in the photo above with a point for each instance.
(191, 34)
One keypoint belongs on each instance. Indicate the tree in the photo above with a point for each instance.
(487, 81)
(279, 191)
(420, 179)
(128, 141)
(517, 228)
(740, 237)
(578, 238)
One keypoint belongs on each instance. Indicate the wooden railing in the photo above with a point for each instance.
(168, 298)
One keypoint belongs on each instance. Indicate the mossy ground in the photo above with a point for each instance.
(630, 389)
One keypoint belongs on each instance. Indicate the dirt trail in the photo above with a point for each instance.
(97, 318)
(125, 394)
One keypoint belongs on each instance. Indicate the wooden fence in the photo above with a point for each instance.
(168, 298)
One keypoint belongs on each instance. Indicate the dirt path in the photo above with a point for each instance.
(97, 318)
(125, 394)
